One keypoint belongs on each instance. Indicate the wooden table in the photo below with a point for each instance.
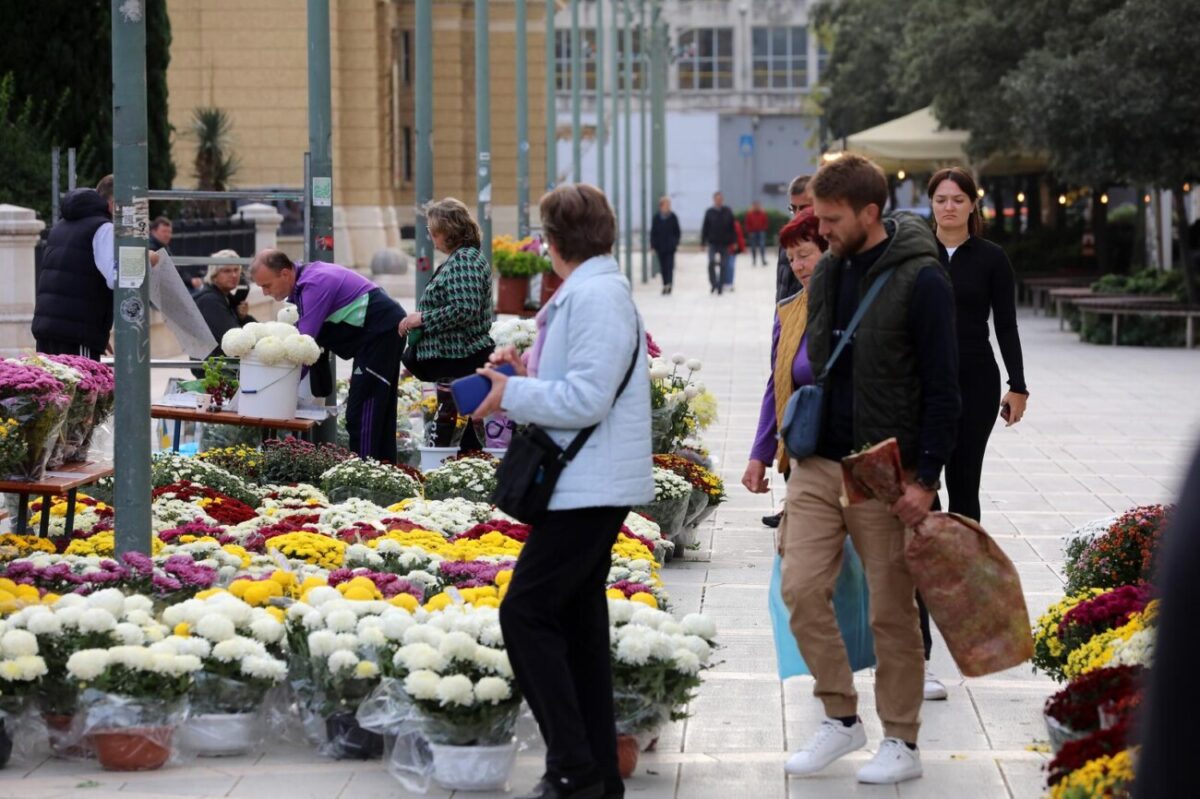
(268, 426)
(67, 479)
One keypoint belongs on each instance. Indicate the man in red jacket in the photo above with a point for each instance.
(756, 230)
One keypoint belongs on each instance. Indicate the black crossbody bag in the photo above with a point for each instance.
(533, 463)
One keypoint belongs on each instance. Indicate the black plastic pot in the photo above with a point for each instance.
(350, 741)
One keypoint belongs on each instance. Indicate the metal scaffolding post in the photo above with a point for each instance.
(483, 127)
(131, 294)
(658, 110)
(424, 134)
(615, 196)
(551, 105)
(643, 171)
(600, 126)
(628, 59)
(522, 121)
(576, 95)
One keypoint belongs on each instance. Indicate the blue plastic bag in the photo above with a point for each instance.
(850, 604)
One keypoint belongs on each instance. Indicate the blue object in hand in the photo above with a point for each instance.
(470, 391)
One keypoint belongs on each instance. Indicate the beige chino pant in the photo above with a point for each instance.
(812, 536)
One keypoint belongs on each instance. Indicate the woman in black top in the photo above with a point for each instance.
(983, 286)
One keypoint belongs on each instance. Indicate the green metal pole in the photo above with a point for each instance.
(424, 131)
(523, 121)
(131, 294)
(551, 105)
(483, 126)
(576, 95)
(658, 111)
(320, 145)
(644, 186)
(628, 58)
(600, 127)
(615, 196)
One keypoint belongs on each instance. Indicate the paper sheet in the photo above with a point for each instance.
(171, 297)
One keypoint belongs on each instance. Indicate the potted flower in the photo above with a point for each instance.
(134, 699)
(454, 671)
(472, 479)
(12, 446)
(20, 670)
(1074, 712)
(97, 385)
(672, 494)
(292, 460)
(39, 403)
(708, 490)
(514, 267)
(370, 479)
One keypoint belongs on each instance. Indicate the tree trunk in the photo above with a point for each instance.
(1033, 197)
(1191, 280)
(1100, 231)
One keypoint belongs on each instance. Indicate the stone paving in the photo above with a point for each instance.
(1106, 429)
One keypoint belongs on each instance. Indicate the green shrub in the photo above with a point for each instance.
(1137, 331)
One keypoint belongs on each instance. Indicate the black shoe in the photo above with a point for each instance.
(547, 789)
(712, 290)
(773, 520)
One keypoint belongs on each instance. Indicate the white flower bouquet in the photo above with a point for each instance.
(468, 478)
(370, 479)
(519, 333)
(272, 344)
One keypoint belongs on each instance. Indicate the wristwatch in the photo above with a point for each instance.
(929, 485)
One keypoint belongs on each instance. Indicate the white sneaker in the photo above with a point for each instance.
(831, 741)
(894, 762)
(934, 689)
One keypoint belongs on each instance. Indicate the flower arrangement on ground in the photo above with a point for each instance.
(171, 468)
(379, 482)
(1123, 555)
(473, 479)
(239, 459)
(292, 460)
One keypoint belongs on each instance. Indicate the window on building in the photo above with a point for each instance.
(822, 60)
(407, 159)
(780, 57)
(406, 57)
(706, 59)
(562, 59)
(635, 47)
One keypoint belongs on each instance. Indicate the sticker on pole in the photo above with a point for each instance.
(322, 192)
(135, 219)
(131, 267)
(132, 310)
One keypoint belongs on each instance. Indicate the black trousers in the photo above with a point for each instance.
(979, 382)
(371, 406)
(555, 624)
(666, 264)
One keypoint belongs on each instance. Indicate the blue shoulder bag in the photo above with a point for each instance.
(800, 428)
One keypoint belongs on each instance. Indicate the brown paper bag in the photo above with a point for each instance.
(970, 586)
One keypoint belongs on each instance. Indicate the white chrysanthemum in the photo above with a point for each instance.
(679, 359)
(22, 669)
(302, 350)
(176, 665)
(373, 637)
(269, 351)
(232, 649)
(456, 689)
(420, 657)
(138, 602)
(264, 668)
(686, 661)
(154, 632)
(491, 635)
(341, 621)
(46, 624)
(279, 330)
(87, 664)
(492, 689)
(110, 599)
(660, 372)
(18, 643)
(68, 600)
(696, 624)
(395, 623)
(620, 611)
(321, 643)
(296, 611)
(633, 650)
(346, 641)
(322, 594)
(694, 364)
(130, 634)
(238, 341)
(215, 627)
(422, 685)
(698, 646)
(691, 392)
(289, 314)
(342, 660)
(458, 645)
(139, 617)
(649, 617)
(267, 630)
(96, 620)
(366, 670)
(423, 634)
(313, 620)
(193, 645)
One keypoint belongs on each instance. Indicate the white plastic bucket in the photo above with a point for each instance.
(267, 392)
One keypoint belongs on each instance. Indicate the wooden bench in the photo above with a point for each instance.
(1038, 288)
(1064, 298)
(1142, 305)
(66, 480)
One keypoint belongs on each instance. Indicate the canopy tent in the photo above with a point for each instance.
(917, 143)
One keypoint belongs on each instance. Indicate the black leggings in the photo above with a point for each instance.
(979, 382)
(666, 265)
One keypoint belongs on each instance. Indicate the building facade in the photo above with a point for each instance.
(739, 114)
(250, 59)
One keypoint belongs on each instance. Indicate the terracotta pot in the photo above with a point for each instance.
(58, 729)
(132, 748)
(550, 284)
(511, 294)
(627, 755)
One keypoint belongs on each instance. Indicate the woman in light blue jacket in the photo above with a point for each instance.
(555, 615)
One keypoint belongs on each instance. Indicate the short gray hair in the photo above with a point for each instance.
(214, 268)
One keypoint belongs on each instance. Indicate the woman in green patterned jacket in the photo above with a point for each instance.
(448, 333)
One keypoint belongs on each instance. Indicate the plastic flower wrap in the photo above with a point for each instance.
(93, 383)
(679, 407)
(38, 403)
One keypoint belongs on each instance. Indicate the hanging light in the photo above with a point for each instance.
(979, 192)
(901, 175)
(1187, 187)
(1062, 199)
(1146, 198)
(1020, 196)
(1104, 199)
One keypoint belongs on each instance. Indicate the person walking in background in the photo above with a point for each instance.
(983, 285)
(720, 236)
(448, 334)
(757, 223)
(664, 240)
(739, 246)
(586, 368)
(896, 376)
(798, 199)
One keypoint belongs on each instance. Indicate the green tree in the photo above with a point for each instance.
(215, 164)
(1117, 99)
(60, 53)
(24, 162)
(860, 88)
